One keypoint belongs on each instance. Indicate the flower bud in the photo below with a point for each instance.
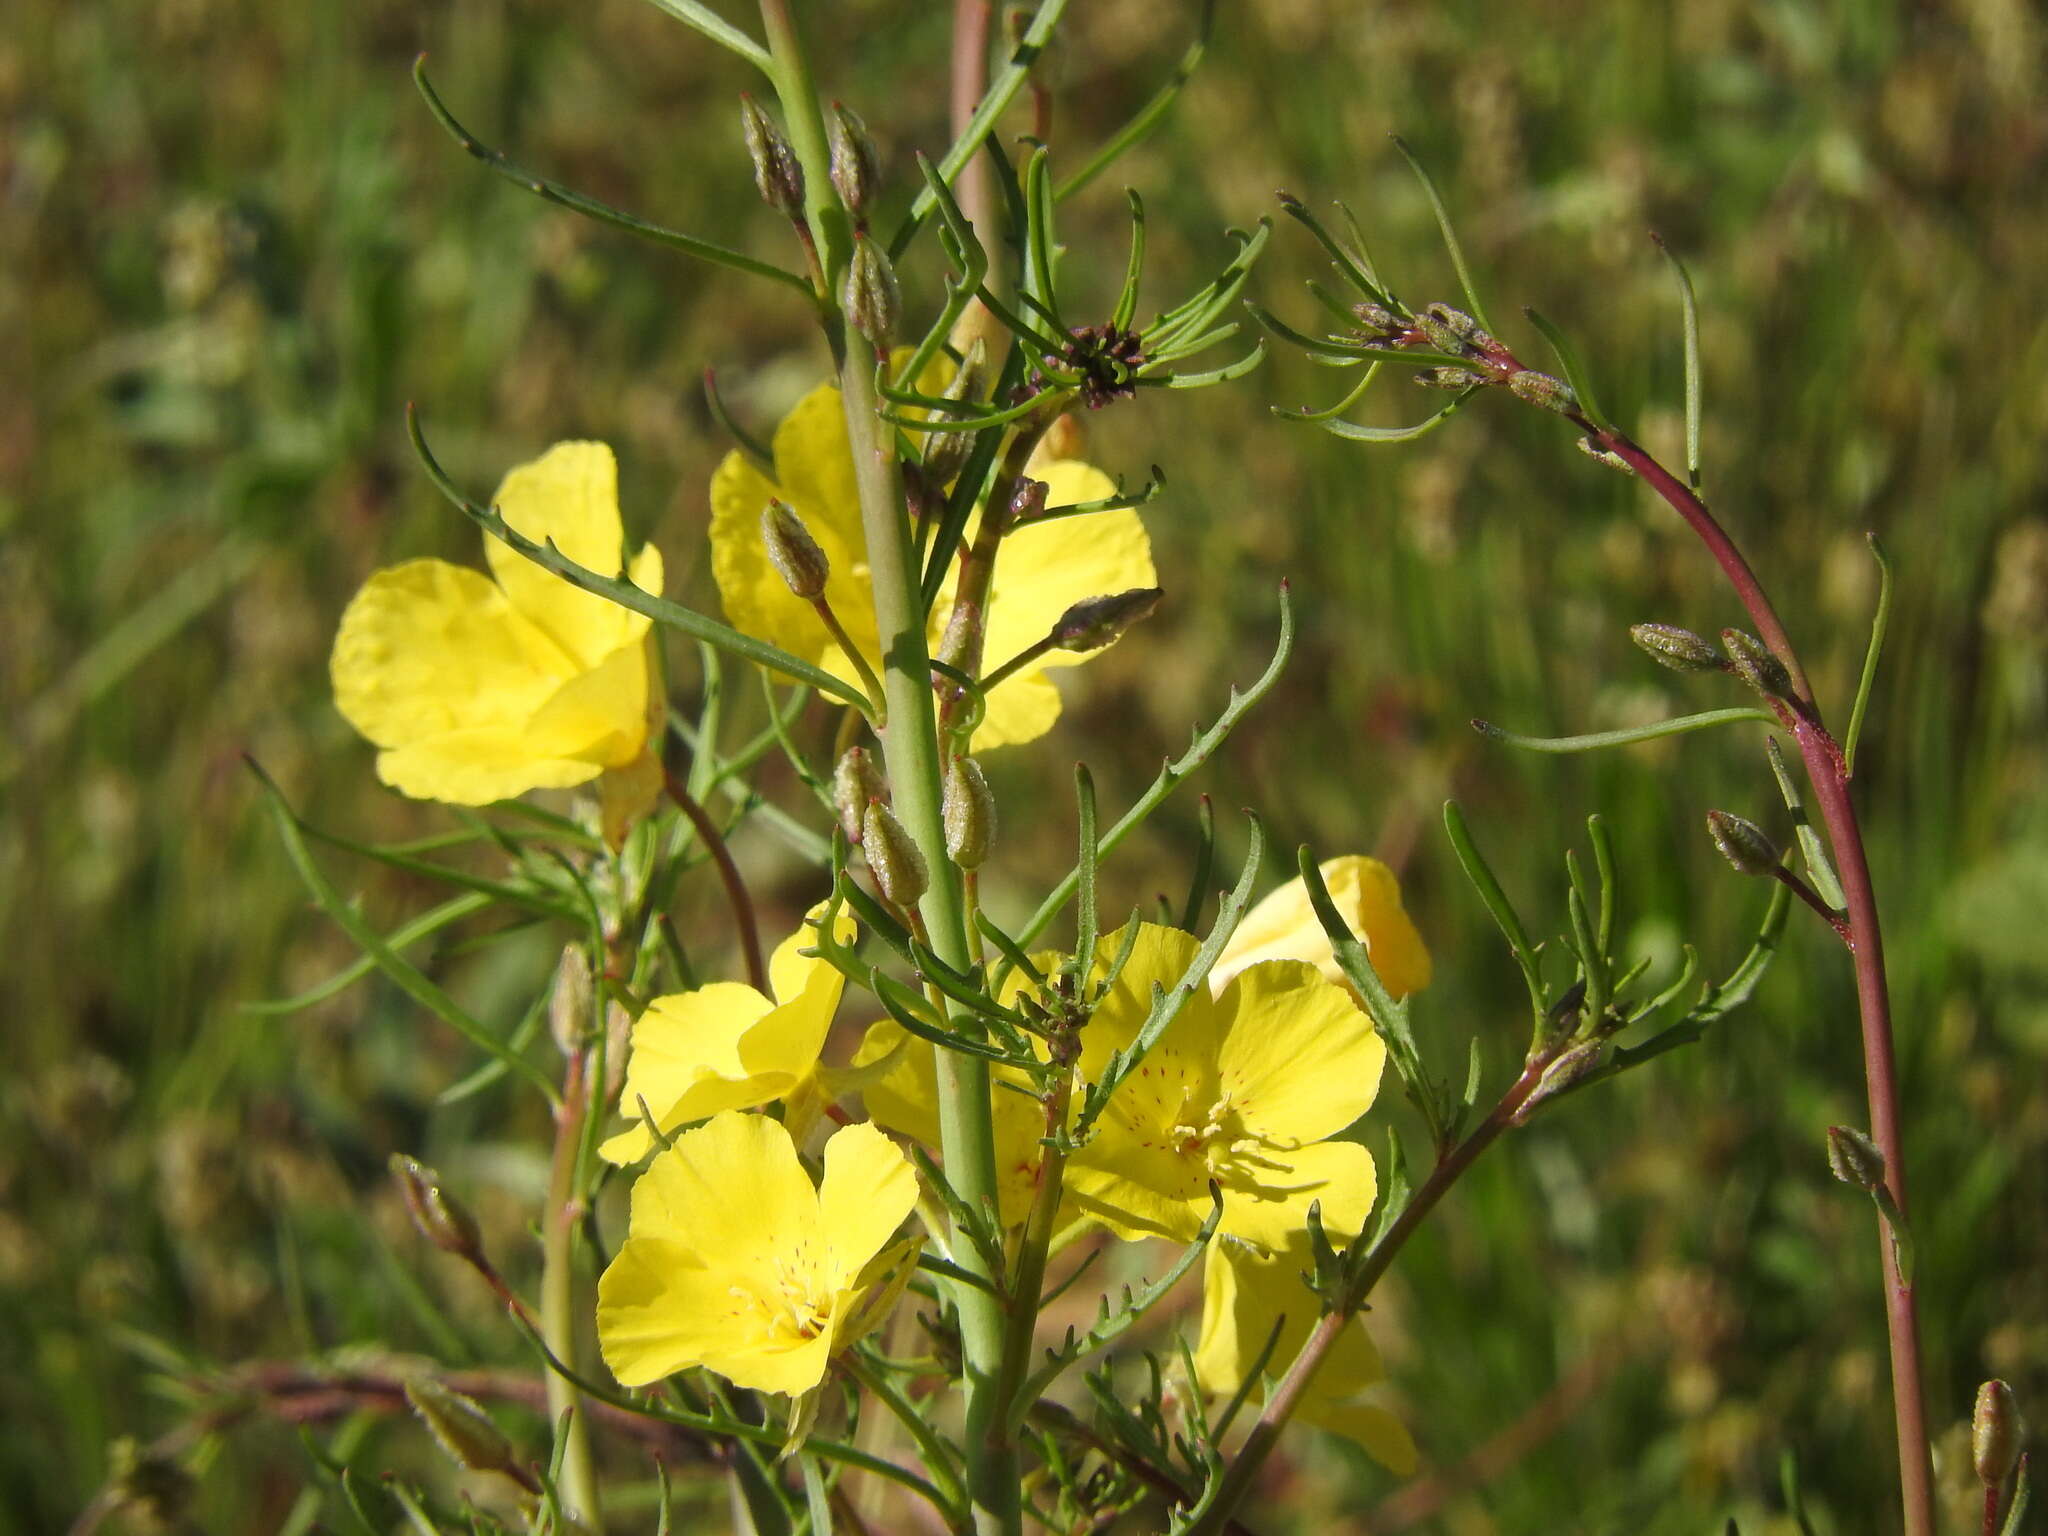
(1561, 1074)
(569, 1000)
(1854, 1158)
(893, 855)
(970, 812)
(776, 170)
(856, 166)
(1377, 317)
(618, 1048)
(1595, 452)
(1451, 330)
(856, 781)
(1541, 389)
(1450, 378)
(441, 1218)
(1679, 649)
(1095, 622)
(1027, 501)
(462, 1429)
(960, 645)
(1742, 843)
(870, 297)
(793, 552)
(1995, 1434)
(1755, 665)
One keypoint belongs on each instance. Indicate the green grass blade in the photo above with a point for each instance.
(1689, 305)
(1622, 738)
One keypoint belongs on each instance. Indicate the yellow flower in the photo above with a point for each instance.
(1043, 570)
(725, 1046)
(480, 688)
(733, 1261)
(1284, 927)
(904, 1098)
(1246, 1088)
(1244, 1293)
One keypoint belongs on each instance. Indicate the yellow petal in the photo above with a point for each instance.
(814, 465)
(428, 649)
(792, 973)
(598, 716)
(1160, 955)
(868, 1189)
(905, 1097)
(1269, 1207)
(1284, 927)
(1374, 1429)
(1139, 1192)
(1046, 568)
(569, 495)
(1020, 709)
(1298, 1058)
(1245, 1291)
(686, 1063)
(477, 767)
(657, 1310)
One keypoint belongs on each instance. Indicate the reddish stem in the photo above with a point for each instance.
(736, 895)
(1860, 931)
(974, 188)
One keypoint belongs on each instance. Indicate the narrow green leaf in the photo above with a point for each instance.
(1443, 224)
(1389, 1017)
(1147, 117)
(590, 207)
(1483, 880)
(1134, 268)
(1345, 402)
(722, 32)
(429, 922)
(1574, 371)
(625, 593)
(1085, 928)
(1205, 863)
(1690, 309)
(1198, 752)
(1623, 738)
(1811, 849)
(403, 975)
(1356, 270)
(1880, 621)
(1359, 434)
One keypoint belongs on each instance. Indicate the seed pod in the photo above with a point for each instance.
(793, 552)
(856, 166)
(1996, 1431)
(899, 866)
(1540, 389)
(1755, 665)
(462, 1429)
(441, 1218)
(1854, 1158)
(1095, 622)
(870, 297)
(960, 644)
(776, 169)
(1679, 649)
(1742, 843)
(569, 1000)
(856, 781)
(1561, 1074)
(970, 812)
(1450, 378)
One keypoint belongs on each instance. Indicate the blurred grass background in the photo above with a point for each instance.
(234, 244)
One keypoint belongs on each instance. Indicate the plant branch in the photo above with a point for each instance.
(559, 1305)
(736, 893)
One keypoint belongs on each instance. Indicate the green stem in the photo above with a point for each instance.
(558, 1301)
(911, 750)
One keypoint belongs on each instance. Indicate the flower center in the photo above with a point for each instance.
(790, 1309)
(1219, 1138)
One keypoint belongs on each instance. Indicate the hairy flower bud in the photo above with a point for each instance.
(1094, 622)
(856, 781)
(1451, 330)
(1995, 1433)
(970, 813)
(1450, 378)
(1679, 649)
(441, 1218)
(1377, 317)
(462, 1429)
(1599, 455)
(569, 1000)
(1561, 1074)
(1854, 1158)
(960, 644)
(776, 170)
(1742, 843)
(1755, 665)
(870, 297)
(793, 552)
(893, 855)
(1544, 391)
(856, 166)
